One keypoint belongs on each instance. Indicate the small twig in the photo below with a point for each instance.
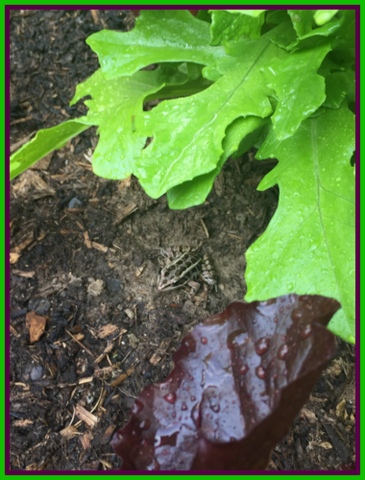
(122, 377)
(97, 404)
(204, 228)
(95, 16)
(79, 343)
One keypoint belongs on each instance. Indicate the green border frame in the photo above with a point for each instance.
(5, 180)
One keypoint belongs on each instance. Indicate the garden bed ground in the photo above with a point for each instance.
(84, 253)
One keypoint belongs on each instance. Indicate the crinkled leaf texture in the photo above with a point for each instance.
(239, 380)
(188, 132)
(309, 245)
(159, 36)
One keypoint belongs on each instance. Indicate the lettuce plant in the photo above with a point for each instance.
(240, 378)
(229, 80)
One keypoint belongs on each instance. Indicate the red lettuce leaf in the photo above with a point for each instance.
(240, 378)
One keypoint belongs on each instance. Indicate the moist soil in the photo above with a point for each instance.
(84, 264)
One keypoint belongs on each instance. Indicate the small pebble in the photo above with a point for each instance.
(36, 373)
(74, 203)
(113, 285)
(129, 313)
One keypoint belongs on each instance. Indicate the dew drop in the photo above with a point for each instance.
(184, 406)
(296, 314)
(260, 372)
(215, 407)
(145, 424)
(204, 340)
(192, 398)
(195, 415)
(282, 351)
(243, 369)
(307, 331)
(262, 345)
(137, 407)
(170, 397)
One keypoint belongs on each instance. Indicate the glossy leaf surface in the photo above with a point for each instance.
(312, 234)
(239, 380)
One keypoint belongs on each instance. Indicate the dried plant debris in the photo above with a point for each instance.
(240, 378)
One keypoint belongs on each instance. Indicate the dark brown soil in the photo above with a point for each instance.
(84, 257)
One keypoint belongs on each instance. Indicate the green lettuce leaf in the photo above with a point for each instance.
(45, 142)
(194, 192)
(188, 133)
(159, 36)
(309, 245)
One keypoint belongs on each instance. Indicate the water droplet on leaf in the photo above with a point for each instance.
(283, 351)
(170, 397)
(260, 372)
(307, 331)
(262, 345)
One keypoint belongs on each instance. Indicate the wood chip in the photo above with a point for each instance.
(122, 377)
(94, 14)
(43, 164)
(70, 432)
(99, 246)
(31, 180)
(95, 287)
(124, 213)
(102, 372)
(20, 273)
(308, 415)
(26, 240)
(36, 325)
(84, 380)
(107, 434)
(326, 445)
(86, 440)
(85, 416)
(106, 464)
(23, 423)
(335, 369)
(341, 409)
(130, 313)
(69, 232)
(122, 184)
(14, 257)
(160, 352)
(139, 271)
(87, 240)
(107, 330)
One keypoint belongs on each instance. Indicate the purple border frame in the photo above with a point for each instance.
(8, 471)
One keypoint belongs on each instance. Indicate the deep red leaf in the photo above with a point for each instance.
(240, 378)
